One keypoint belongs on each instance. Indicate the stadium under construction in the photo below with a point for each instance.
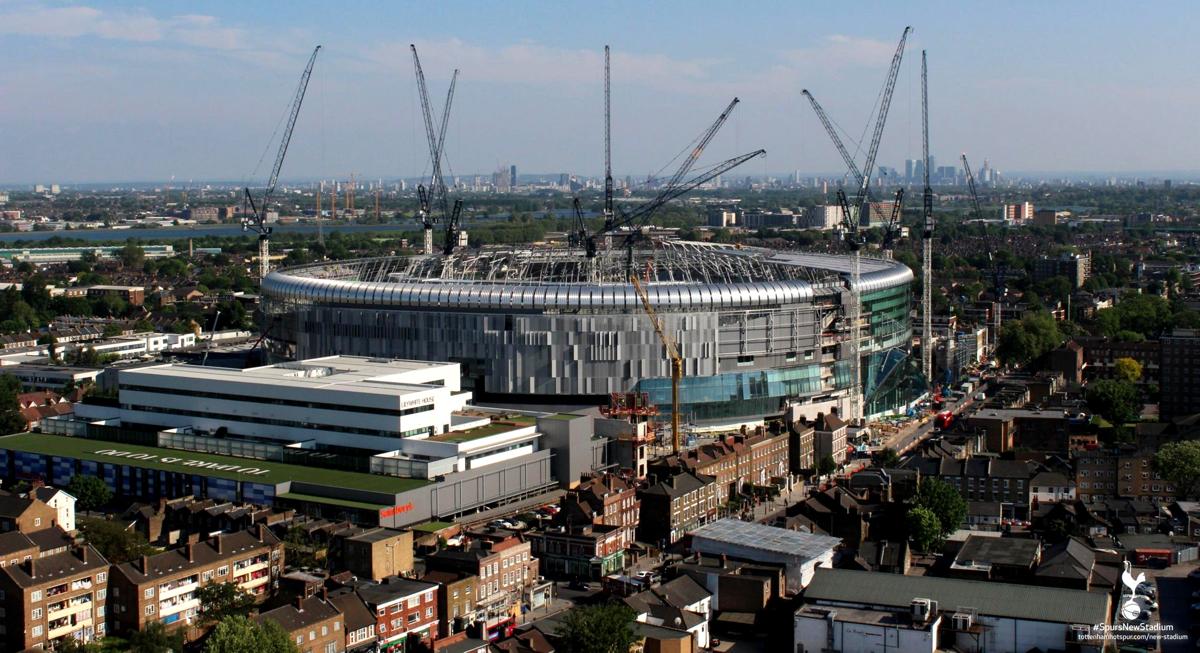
(756, 329)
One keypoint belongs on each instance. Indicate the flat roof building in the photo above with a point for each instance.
(800, 552)
(850, 611)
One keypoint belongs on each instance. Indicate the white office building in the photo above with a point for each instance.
(333, 401)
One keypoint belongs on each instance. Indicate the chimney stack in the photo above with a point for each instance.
(217, 544)
(145, 565)
(325, 595)
(300, 604)
(191, 552)
(82, 552)
(31, 568)
(262, 533)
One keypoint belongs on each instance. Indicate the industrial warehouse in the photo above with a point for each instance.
(754, 328)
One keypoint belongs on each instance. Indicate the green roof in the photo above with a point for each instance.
(432, 527)
(84, 449)
(312, 498)
(495, 428)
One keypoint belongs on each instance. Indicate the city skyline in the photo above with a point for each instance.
(132, 92)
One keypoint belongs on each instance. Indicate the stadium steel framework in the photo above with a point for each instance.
(756, 328)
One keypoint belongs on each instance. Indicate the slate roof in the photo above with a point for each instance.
(1047, 604)
(292, 619)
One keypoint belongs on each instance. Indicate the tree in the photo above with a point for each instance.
(887, 457)
(1127, 369)
(940, 498)
(90, 491)
(597, 629)
(51, 344)
(115, 542)
(1179, 463)
(1027, 339)
(154, 637)
(924, 529)
(1115, 400)
(222, 601)
(11, 420)
(238, 634)
(826, 465)
(132, 256)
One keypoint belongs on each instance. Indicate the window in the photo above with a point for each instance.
(100, 594)
(299, 640)
(207, 576)
(36, 614)
(37, 521)
(312, 635)
(36, 631)
(223, 570)
(337, 625)
(324, 631)
(100, 612)
(101, 577)
(428, 612)
(331, 647)
(149, 592)
(34, 596)
(413, 616)
(150, 609)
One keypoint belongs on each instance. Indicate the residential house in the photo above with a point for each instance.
(507, 572)
(25, 514)
(358, 622)
(62, 502)
(681, 604)
(581, 552)
(677, 504)
(996, 558)
(1051, 487)
(405, 610)
(313, 623)
(456, 599)
(603, 499)
(829, 438)
(735, 461)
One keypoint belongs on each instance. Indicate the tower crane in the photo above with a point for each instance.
(997, 268)
(608, 180)
(436, 136)
(672, 353)
(852, 230)
(926, 238)
(674, 187)
(258, 220)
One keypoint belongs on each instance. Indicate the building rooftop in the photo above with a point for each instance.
(381, 376)
(767, 538)
(988, 598)
(203, 554)
(40, 571)
(274, 472)
(393, 588)
(983, 552)
(309, 611)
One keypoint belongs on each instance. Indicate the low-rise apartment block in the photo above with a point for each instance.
(164, 587)
(49, 599)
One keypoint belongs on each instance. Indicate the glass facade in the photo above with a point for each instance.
(735, 394)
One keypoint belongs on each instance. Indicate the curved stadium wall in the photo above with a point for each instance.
(540, 325)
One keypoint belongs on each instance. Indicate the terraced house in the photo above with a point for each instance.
(164, 587)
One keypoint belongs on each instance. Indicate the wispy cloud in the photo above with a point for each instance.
(532, 63)
(838, 51)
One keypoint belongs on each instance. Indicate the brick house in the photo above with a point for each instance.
(404, 609)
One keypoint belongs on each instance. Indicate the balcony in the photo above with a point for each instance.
(67, 626)
(253, 580)
(250, 567)
(168, 590)
(68, 608)
(167, 608)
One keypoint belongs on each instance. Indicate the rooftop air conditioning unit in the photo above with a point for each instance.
(921, 609)
(963, 621)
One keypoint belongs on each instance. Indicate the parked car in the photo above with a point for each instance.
(580, 585)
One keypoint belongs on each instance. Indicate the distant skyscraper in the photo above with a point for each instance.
(932, 164)
(919, 170)
(512, 176)
(910, 167)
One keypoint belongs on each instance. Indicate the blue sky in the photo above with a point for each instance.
(146, 91)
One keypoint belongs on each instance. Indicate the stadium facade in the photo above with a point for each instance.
(756, 328)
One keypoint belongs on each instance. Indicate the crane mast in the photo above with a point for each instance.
(608, 179)
(998, 275)
(258, 222)
(435, 134)
(926, 238)
(672, 353)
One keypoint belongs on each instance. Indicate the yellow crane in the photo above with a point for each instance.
(672, 353)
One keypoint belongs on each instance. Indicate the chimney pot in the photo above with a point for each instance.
(325, 594)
